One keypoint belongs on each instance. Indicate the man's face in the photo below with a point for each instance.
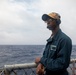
(51, 24)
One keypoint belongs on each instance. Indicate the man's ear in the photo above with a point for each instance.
(58, 21)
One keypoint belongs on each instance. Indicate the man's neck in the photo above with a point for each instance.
(55, 31)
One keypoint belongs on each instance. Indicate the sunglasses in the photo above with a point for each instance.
(49, 20)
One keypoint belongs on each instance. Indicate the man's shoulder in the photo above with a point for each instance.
(65, 37)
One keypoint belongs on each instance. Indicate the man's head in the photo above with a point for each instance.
(52, 20)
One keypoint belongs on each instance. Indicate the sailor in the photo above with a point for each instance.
(56, 56)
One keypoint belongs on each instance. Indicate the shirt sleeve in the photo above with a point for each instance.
(63, 57)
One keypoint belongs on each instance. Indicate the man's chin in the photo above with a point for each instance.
(49, 28)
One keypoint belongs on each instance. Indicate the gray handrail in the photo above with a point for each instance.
(27, 65)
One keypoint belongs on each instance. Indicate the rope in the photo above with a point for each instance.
(1, 72)
(14, 72)
(33, 71)
(73, 67)
(25, 72)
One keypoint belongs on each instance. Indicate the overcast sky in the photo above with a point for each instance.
(21, 23)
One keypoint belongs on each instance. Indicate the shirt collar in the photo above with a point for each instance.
(55, 37)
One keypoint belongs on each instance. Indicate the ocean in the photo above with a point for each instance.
(18, 54)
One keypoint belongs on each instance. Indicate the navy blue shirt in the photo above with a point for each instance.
(56, 56)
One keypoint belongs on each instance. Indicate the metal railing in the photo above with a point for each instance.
(30, 69)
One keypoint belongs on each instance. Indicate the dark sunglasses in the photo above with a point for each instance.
(49, 20)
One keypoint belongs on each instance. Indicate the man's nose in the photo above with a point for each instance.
(48, 23)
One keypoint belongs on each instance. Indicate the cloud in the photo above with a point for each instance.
(20, 20)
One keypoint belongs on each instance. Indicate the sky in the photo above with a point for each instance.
(21, 23)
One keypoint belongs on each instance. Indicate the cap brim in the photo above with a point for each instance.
(45, 17)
